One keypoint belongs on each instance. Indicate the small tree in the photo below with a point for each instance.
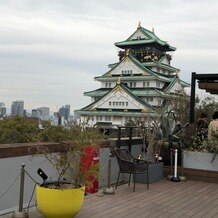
(70, 164)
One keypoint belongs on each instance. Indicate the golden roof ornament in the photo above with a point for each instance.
(177, 73)
(139, 25)
(118, 81)
(153, 30)
(127, 53)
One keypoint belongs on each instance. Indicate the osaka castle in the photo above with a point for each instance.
(140, 82)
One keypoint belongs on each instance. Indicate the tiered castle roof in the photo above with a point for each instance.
(143, 60)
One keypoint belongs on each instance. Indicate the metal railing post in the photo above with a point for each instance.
(21, 213)
(22, 177)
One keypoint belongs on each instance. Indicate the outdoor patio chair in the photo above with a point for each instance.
(128, 164)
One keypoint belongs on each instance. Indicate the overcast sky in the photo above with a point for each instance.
(51, 50)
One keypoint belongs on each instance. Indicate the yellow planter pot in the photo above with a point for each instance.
(62, 203)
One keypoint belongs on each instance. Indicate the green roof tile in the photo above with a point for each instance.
(151, 38)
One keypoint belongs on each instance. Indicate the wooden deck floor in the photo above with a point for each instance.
(163, 199)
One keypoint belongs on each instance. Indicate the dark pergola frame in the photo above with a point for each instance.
(206, 80)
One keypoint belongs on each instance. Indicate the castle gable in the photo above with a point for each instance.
(164, 61)
(175, 86)
(120, 98)
(128, 66)
(138, 34)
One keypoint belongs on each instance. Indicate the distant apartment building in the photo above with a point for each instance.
(3, 109)
(64, 111)
(17, 108)
(36, 113)
(45, 111)
(41, 112)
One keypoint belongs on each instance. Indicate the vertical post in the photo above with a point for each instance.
(119, 137)
(130, 139)
(175, 164)
(192, 99)
(175, 178)
(109, 172)
(21, 213)
(22, 175)
(169, 177)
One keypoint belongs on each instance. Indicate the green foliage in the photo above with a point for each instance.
(212, 144)
(71, 164)
(18, 130)
(23, 130)
(208, 145)
(52, 133)
(208, 106)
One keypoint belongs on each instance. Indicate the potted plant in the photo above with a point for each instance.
(64, 197)
(149, 132)
(201, 154)
(151, 148)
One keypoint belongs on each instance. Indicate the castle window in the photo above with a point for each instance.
(107, 118)
(132, 84)
(144, 84)
(109, 103)
(148, 84)
(109, 85)
(106, 84)
(126, 72)
(158, 84)
(126, 103)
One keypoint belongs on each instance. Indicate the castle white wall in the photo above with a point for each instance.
(135, 84)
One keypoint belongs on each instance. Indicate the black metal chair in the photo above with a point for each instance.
(128, 164)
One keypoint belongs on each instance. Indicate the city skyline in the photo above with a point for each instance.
(51, 51)
(42, 110)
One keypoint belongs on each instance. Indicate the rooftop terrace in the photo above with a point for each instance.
(163, 199)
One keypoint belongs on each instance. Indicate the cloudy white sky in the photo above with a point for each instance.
(51, 50)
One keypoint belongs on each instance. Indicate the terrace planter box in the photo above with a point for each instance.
(200, 160)
(155, 174)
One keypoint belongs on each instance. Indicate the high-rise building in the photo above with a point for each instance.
(137, 85)
(3, 109)
(45, 111)
(2, 104)
(17, 108)
(64, 111)
(68, 110)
